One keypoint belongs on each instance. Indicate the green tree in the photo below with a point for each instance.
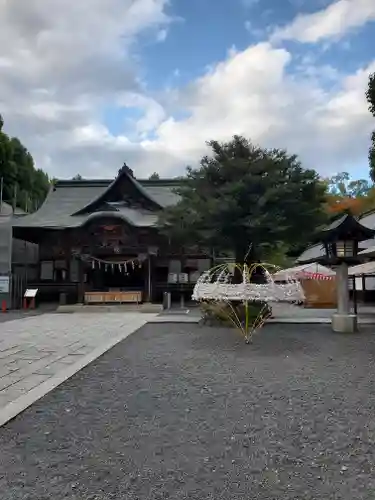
(342, 186)
(77, 177)
(370, 95)
(154, 177)
(20, 178)
(246, 200)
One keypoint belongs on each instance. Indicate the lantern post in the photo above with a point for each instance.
(340, 242)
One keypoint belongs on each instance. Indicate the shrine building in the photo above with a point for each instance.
(98, 241)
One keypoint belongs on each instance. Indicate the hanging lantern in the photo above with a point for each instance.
(133, 265)
(125, 268)
(93, 264)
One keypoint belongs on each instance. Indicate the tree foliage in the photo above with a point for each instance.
(243, 196)
(370, 95)
(22, 183)
(345, 194)
(342, 185)
(154, 177)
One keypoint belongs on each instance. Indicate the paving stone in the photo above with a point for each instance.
(35, 366)
(8, 353)
(9, 380)
(4, 370)
(70, 358)
(16, 390)
(36, 348)
(52, 369)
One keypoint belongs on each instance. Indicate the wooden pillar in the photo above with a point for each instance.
(364, 298)
(81, 284)
(68, 258)
(149, 292)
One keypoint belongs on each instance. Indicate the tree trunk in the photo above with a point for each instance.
(247, 256)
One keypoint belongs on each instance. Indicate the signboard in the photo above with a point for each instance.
(172, 277)
(31, 293)
(4, 284)
(183, 278)
(46, 270)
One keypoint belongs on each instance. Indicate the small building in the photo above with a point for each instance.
(364, 274)
(99, 241)
(16, 258)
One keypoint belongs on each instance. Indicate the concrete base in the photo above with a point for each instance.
(344, 323)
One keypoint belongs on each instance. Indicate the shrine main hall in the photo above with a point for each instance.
(98, 241)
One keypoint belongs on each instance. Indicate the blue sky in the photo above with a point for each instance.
(162, 77)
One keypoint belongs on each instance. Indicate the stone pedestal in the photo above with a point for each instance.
(344, 323)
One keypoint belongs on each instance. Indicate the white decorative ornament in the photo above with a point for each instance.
(216, 285)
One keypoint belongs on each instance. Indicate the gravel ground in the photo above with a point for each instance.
(189, 412)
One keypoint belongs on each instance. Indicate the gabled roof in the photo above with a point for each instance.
(345, 225)
(311, 254)
(366, 221)
(72, 203)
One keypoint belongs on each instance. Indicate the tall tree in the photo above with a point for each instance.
(243, 197)
(370, 95)
(19, 174)
(154, 177)
(343, 186)
(345, 194)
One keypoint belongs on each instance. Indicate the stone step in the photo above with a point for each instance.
(107, 308)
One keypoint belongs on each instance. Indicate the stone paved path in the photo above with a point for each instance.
(38, 353)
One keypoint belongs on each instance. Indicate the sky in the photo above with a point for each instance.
(88, 85)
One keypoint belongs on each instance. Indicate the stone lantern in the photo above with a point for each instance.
(340, 242)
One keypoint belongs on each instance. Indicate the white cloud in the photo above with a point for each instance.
(334, 21)
(252, 94)
(62, 61)
(62, 65)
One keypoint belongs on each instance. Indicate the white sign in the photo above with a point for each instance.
(31, 293)
(4, 284)
(172, 278)
(183, 278)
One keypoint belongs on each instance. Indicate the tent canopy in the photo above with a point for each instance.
(298, 271)
(369, 252)
(365, 268)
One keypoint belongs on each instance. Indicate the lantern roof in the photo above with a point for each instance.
(347, 228)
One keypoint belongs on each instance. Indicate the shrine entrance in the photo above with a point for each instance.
(128, 274)
(115, 263)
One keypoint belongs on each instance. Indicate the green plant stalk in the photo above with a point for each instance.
(259, 321)
(246, 321)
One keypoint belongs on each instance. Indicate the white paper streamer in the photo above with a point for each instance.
(215, 284)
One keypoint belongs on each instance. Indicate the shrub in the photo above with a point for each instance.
(234, 314)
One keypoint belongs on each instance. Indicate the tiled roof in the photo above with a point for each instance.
(67, 198)
(311, 254)
(316, 251)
